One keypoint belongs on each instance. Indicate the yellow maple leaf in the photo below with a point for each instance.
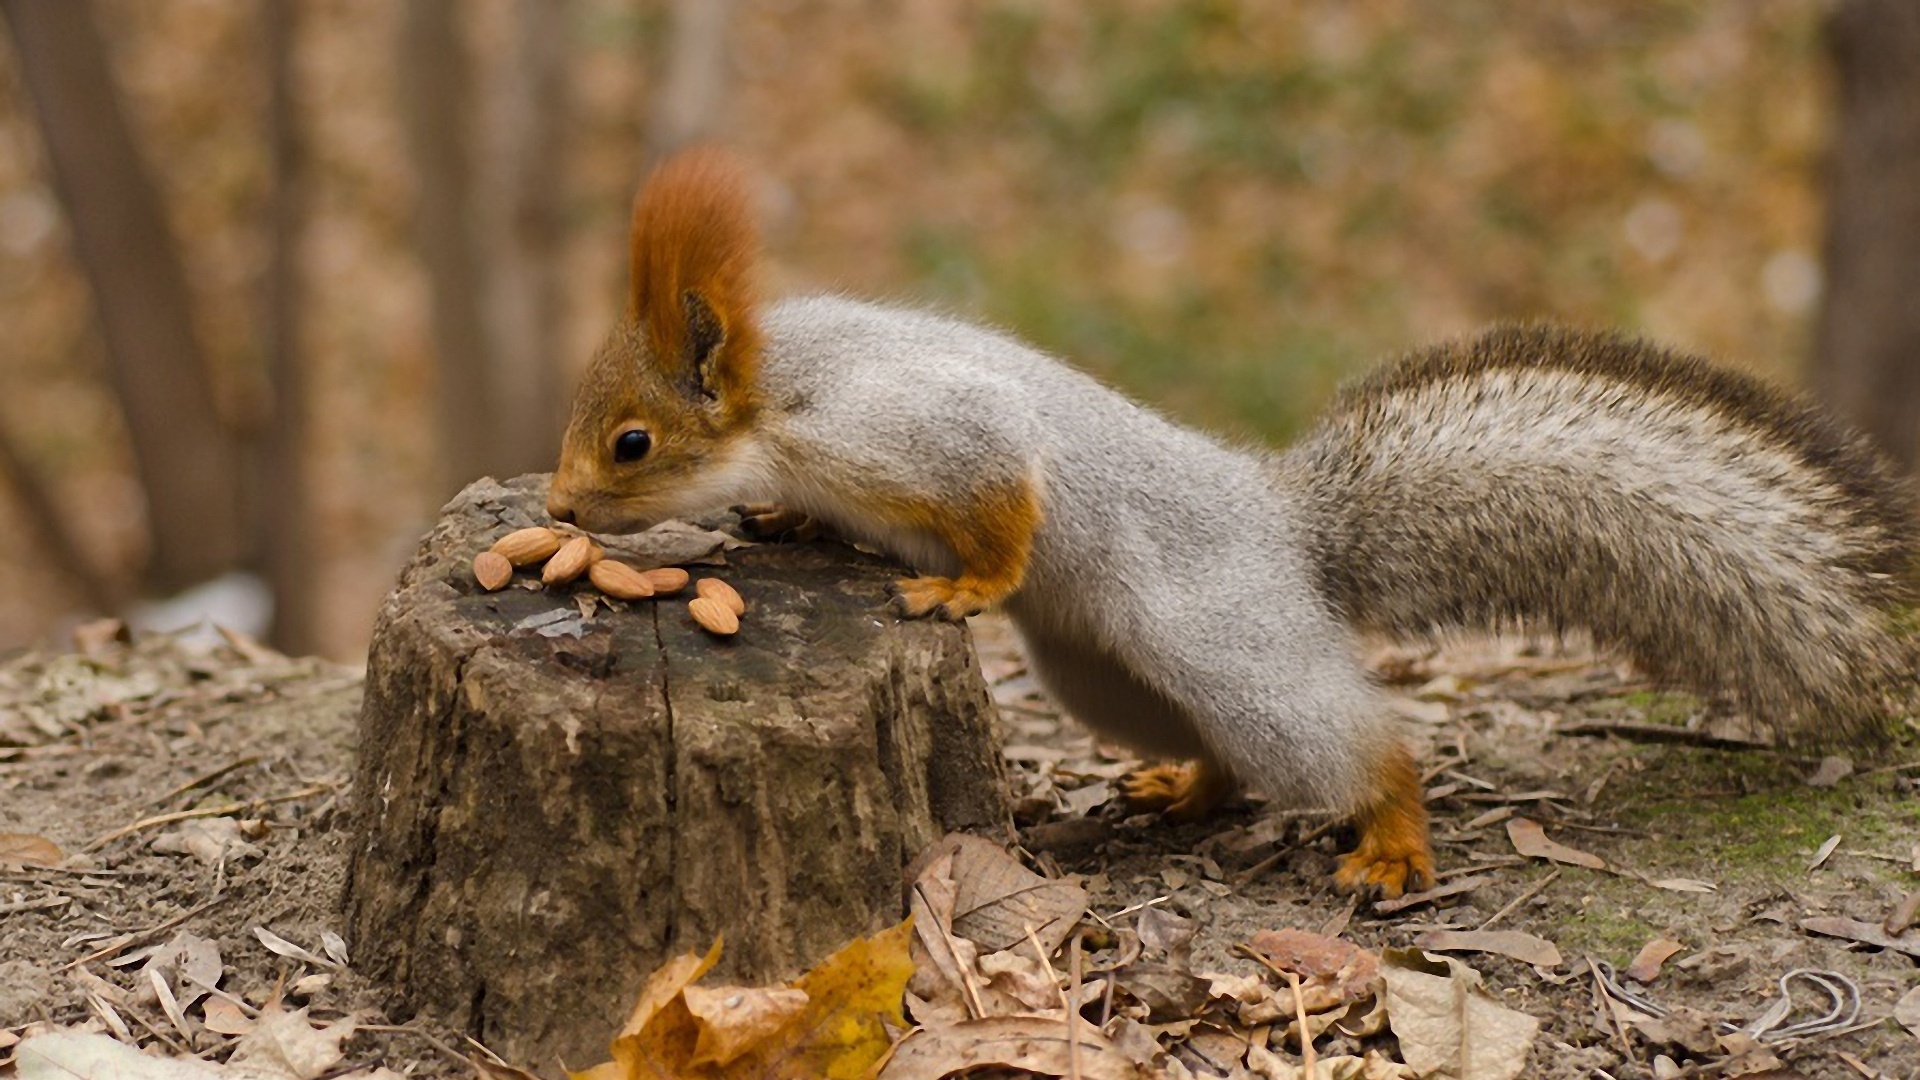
(831, 1024)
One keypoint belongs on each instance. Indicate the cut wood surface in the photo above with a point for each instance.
(548, 805)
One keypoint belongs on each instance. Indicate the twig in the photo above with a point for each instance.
(1073, 1029)
(1309, 1057)
(1538, 888)
(121, 943)
(208, 778)
(205, 811)
(1073, 1005)
(398, 1029)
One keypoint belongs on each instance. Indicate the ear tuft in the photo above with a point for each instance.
(694, 250)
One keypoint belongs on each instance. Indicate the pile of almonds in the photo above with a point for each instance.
(716, 606)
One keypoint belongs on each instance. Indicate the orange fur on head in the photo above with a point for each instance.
(693, 236)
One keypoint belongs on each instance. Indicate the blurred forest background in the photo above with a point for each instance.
(278, 276)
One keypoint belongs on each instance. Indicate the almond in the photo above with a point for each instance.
(492, 570)
(713, 588)
(713, 616)
(524, 547)
(667, 580)
(618, 580)
(570, 561)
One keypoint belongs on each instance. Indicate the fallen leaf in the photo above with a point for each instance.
(1824, 852)
(1166, 934)
(1681, 884)
(997, 901)
(219, 1014)
(280, 946)
(1907, 1011)
(1831, 771)
(1865, 933)
(831, 1024)
(732, 1019)
(1333, 971)
(334, 946)
(1038, 1045)
(1531, 840)
(286, 1045)
(1271, 1066)
(211, 840)
(74, 1055)
(1514, 944)
(1448, 1024)
(25, 849)
(1170, 992)
(1687, 1029)
(1646, 963)
(1438, 892)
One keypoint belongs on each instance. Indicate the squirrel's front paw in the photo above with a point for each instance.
(948, 598)
(768, 521)
(1183, 792)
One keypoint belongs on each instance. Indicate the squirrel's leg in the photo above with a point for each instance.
(991, 536)
(1184, 791)
(1394, 855)
(771, 521)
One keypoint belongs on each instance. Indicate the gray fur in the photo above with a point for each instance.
(1194, 600)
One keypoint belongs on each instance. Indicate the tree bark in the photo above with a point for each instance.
(541, 820)
(285, 549)
(1869, 331)
(182, 452)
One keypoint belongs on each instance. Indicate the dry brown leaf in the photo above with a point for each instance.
(211, 840)
(1374, 1066)
(1531, 840)
(1825, 851)
(1413, 899)
(1907, 1011)
(77, 1055)
(1038, 1045)
(286, 1046)
(1333, 971)
(26, 849)
(219, 1014)
(280, 946)
(1514, 944)
(1447, 1024)
(1865, 933)
(997, 902)
(1646, 964)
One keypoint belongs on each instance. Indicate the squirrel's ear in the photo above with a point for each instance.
(693, 258)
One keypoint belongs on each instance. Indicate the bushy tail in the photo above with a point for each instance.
(1725, 536)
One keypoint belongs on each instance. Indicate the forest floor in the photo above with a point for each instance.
(197, 799)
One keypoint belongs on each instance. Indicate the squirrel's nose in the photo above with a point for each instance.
(558, 510)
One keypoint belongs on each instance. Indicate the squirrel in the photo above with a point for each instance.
(1198, 601)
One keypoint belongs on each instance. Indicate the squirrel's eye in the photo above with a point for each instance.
(631, 446)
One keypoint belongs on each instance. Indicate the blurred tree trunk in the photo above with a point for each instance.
(693, 91)
(1869, 335)
(523, 181)
(57, 544)
(286, 546)
(182, 453)
(436, 94)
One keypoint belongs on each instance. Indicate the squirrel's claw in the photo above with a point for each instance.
(1187, 791)
(1384, 875)
(948, 598)
(772, 522)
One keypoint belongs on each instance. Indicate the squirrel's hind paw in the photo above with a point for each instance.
(1384, 874)
(1187, 791)
(949, 598)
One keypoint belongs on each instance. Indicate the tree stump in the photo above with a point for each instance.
(548, 806)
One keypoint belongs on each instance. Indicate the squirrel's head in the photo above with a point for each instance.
(663, 422)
